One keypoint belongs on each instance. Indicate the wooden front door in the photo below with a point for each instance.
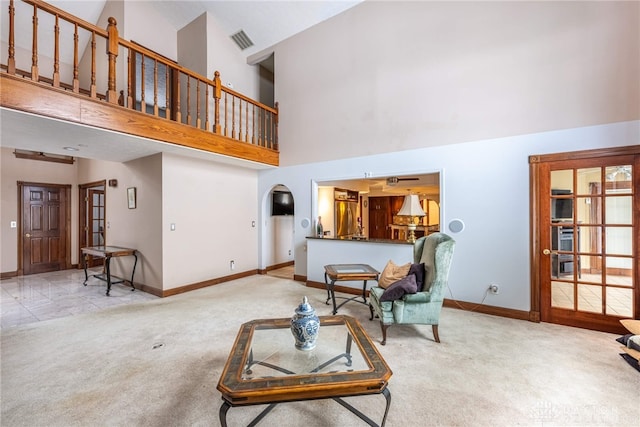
(586, 237)
(45, 230)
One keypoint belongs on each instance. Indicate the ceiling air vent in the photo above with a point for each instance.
(242, 40)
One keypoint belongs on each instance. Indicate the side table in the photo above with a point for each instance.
(348, 272)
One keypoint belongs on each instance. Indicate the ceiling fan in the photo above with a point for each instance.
(393, 180)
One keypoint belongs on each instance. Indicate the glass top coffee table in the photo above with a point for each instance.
(264, 367)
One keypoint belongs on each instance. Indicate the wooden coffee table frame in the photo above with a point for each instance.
(293, 387)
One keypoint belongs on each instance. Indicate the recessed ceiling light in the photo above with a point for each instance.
(71, 148)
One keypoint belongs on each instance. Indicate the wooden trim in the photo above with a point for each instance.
(449, 303)
(336, 288)
(69, 160)
(24, 95)
(534, 234)
(299, 278)
(489, 309)
(586, 154)
(277, 266)
(206, 283)
(8, 274)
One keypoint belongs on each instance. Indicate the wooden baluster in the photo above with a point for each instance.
(206, 108)
(188, 99)
(93, 65)
(34, 46)
(112, 52)
(253, 125)
(260, 112)
(178, 112)
(56, 53)
(155, 87)
(198, 121)
(216, 96)
(167, 90)
(246, 131)
(11, 63)
(143, 102)
(240, 119)
(76, 81)
(225, 115)
(233, 117)
(275, 130)
(130, 56)
(265, 130)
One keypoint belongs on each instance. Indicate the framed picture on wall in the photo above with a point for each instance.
(131, 197)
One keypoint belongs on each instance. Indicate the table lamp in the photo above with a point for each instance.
(411, 208)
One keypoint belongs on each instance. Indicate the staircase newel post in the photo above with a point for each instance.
(11, 63)
(217, 95)
(112, 52)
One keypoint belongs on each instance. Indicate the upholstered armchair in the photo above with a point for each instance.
(422, 307)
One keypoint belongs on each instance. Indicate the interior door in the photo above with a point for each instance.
(379, 217)
(587, 226)
(92, 222)
(44, 226)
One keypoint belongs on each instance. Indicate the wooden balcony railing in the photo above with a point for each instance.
(94, 62)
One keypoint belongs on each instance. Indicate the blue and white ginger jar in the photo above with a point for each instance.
(305, 326)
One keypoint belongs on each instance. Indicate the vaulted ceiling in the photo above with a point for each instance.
(265, 22)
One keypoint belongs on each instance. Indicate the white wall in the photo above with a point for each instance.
(391, 76)
(223, 55)
(485, 183)
(467, 89)
(137, 228)
(213, 207)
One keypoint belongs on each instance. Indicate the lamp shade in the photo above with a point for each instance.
(411, 206)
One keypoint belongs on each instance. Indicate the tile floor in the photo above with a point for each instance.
(45, 296)
(619, 299)
(27, 299)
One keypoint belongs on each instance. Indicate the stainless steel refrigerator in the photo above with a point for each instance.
(346, 218)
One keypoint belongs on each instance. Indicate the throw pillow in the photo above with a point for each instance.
(418, 271)
(406, 285)
(632, 325)
(634, 342)
(392, 273)
(624, 339)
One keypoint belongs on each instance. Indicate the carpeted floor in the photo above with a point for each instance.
(157, 363)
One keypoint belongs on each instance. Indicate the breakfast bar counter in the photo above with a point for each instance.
(373, 252)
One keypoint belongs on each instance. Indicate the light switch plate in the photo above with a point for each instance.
(13, 224)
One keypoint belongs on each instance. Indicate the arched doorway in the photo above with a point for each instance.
(279, 235)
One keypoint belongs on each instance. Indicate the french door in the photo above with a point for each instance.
(586, 238)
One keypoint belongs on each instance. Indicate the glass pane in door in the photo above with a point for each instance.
(589, 298)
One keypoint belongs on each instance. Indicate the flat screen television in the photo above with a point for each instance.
(281, 203)
(561, 208)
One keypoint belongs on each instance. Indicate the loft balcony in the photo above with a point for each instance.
(76, 72)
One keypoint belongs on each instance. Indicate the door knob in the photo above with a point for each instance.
(27, 235)
(548, 252)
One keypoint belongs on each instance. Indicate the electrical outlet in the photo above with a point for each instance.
(494, 289)
(232, 264)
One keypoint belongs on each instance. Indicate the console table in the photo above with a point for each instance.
(108, 252)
